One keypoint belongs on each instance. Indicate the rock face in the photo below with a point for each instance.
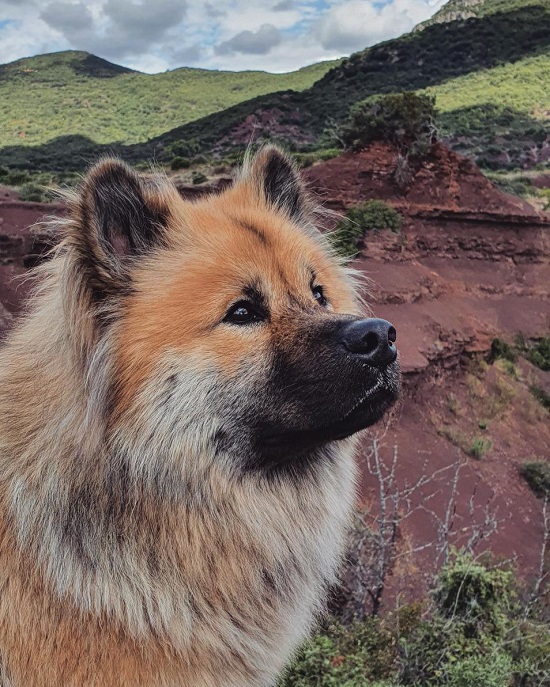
(470, 264)
(444, 182)
(22, 246)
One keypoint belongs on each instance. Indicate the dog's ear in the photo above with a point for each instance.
(277, 178)
(118, 216)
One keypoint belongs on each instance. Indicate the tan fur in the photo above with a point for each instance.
(130, 554)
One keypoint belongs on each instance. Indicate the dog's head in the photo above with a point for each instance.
(232, 329)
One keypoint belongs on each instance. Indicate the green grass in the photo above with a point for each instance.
(73, 93)
(479, 447)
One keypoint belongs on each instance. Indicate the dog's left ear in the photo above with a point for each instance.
(276, 176)
(119, 216)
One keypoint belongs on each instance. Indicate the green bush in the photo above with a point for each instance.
(344, 656)
(479, 447)
(462, 644)
(518, 186)
(371, 216)
(501, 349)
(542, 396)
(15, 178)
(468, 592)
(34, 193)
(537, 476)
(492, 670)
(406, 120)
(539, 355)
(180, 163)
(199, 178)
(471, 634)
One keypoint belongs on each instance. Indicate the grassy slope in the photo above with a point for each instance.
(522, 86)
(489, 62)
(74, 93)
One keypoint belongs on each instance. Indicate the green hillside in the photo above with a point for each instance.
(489, 73)
(75, 93)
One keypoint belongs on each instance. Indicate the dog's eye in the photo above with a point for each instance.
(243, 312)
(319, 295)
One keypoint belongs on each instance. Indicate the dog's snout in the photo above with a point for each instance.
(372, 339)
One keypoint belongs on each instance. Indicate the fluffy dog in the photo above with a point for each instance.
(177, 420)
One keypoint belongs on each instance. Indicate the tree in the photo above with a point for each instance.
(405, 120)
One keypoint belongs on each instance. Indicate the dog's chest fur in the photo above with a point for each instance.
(224, 586)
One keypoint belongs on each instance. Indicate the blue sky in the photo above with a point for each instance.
(155, 35)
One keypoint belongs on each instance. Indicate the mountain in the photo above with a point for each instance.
(464, 9)
(83, 95)
(489, 73)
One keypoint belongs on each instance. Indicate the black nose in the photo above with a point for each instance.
(372, 339)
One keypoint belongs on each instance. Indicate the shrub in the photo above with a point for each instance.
(479, 447)
(199, 178)
(469, 592)
(494, 670)
(180, 163)
(518, 186)
(371, 216)
(406, 120)
(34, 193)
(537, 476)
(15, 178)
(184, 148)
(500, 349)
(472, 634)
(542, 396)
(539, 355)
(349, 656)
(461, 644)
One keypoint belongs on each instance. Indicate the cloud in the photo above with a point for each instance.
(187, 55)
(258, 42)
(355, 24)
(155, 35)
(283, 6)
(123, 28)
(213, 12)
(67, 18)
(145, 20)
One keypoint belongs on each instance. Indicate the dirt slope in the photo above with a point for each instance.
(470, 264)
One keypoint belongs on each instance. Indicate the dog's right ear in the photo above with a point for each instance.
(117, 218)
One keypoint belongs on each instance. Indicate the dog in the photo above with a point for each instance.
(179, 410)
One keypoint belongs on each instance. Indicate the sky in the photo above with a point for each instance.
(156, 35)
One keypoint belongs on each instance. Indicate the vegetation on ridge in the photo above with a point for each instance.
(74, 93)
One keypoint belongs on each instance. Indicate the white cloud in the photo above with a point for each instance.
(123, 28)
(355, 24)
(276, 35)
(258, 42)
